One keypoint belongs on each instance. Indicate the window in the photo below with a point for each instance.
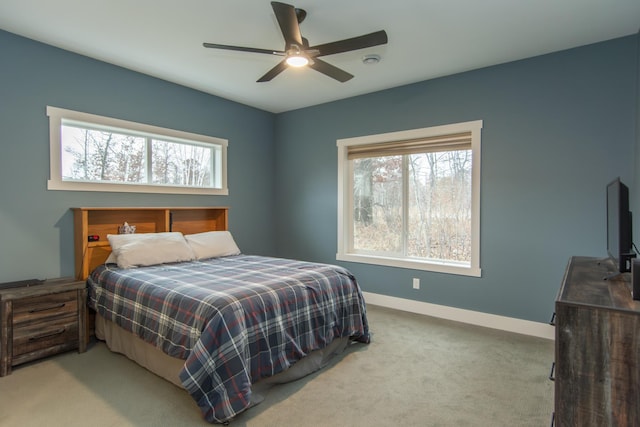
(411, 199)
(95, 153)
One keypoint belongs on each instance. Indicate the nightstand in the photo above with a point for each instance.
(40, 320)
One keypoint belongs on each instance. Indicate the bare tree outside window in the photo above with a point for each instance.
(411, 198)
(377, 196)
(102, 156)
(88, 152)
(438, 220)
(181, 164)
(439, 225)
(94, 155)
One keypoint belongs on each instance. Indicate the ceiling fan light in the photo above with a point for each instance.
(297, 60)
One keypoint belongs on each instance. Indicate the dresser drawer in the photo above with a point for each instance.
(62, 331)
(27, 311)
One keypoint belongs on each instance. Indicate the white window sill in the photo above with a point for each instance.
(438, 267)
(132, 188)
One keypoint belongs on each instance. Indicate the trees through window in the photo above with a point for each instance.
(113, 155)
(411, 199)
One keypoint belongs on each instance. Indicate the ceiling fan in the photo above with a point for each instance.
(298, 53)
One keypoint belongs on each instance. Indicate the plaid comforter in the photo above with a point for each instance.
(233, 319)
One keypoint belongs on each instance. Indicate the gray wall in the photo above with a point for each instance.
(36, 226)
(557, 129)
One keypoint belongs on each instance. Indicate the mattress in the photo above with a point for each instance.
(146, 355)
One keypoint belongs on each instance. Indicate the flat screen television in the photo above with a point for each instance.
(619, 232)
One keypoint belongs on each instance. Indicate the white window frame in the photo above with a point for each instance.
(346, 251)
(58, 115)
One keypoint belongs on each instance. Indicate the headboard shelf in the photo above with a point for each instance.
(101, 221)
(96, 244)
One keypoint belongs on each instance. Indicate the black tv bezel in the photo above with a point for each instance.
(618, 210)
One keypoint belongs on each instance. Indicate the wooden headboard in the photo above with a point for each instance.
(102, 221)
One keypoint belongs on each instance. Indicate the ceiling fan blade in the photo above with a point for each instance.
(355, 43)
(330, 70)
(288, 21)
(280, 67)
(243, 49)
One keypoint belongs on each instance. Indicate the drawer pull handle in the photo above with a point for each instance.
(36, 310)
(50, 334)
(553, 368)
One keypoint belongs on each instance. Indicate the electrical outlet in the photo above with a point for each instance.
(416, 283)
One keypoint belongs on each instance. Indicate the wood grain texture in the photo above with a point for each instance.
(102, 221)
(597, 348)
(6, 336)
(41, 320)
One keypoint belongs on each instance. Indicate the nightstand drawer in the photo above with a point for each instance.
(40, 319)
(62, 331)
(27, 311)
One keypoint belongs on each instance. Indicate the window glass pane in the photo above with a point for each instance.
(411, 199)
(439, 224)
(377, 204)
(102, 156)
(95, 153)
(181, 164)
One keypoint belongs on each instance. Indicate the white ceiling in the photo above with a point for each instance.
(427, 39)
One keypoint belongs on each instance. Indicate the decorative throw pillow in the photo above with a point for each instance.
(133, 250)
(211, 244)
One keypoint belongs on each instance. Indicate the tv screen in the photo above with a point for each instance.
(619, 234)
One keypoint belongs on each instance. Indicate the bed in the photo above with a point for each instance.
(219, 326)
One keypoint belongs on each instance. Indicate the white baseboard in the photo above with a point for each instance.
(510, 324)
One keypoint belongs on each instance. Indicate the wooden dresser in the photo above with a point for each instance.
(41, 320)
(597, 366)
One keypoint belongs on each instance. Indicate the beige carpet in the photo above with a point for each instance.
(418, 371)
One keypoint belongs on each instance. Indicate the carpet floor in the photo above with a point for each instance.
(418, 371)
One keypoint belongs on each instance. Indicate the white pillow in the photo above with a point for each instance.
(132, 250)
(211, 244)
